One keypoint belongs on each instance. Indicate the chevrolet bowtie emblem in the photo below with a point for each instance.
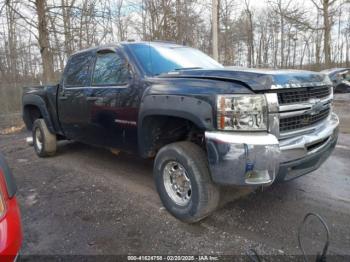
(316, 106)
(305, 120)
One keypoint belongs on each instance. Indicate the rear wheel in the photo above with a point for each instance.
(183, 182)
(45, 143)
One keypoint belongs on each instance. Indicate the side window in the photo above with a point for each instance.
(78, 70)
(110, 69)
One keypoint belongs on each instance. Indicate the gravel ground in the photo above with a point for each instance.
(87, 201)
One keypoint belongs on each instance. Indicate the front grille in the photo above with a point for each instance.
(302, 121)
(303, 94)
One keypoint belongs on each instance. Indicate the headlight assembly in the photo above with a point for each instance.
(242, 112)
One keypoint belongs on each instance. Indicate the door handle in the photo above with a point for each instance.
(92, 98)
(63, 97)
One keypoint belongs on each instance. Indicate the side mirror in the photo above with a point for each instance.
(130, 70)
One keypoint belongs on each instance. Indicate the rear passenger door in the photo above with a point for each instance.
(72, 96)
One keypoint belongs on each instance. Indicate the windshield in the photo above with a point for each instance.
(158, 59)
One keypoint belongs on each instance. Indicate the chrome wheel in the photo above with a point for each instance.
(38, 139)
(177, 183)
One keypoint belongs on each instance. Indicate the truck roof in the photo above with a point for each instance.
(126, 43)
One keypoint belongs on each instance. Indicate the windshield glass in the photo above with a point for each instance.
(158, 59)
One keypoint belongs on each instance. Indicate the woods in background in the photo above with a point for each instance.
(37, 36)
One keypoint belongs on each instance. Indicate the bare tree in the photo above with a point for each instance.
(250, 34)
(325, 7)
(44, 42)
(38, 36)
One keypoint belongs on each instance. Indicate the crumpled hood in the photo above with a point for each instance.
(258, 79)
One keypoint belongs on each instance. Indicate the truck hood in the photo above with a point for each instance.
(257, 79)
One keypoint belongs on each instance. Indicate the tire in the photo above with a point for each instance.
(45, 143)
(203, 196)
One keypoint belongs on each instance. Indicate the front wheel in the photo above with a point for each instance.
(183, 182)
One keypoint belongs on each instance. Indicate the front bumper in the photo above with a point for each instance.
(243, 159)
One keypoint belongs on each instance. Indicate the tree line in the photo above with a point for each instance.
(38, 36)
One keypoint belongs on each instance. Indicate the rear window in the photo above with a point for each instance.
(78, 70)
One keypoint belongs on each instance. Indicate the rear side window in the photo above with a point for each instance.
(110, 69)
(78, 70)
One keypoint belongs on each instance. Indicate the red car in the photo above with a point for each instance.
(10, 223)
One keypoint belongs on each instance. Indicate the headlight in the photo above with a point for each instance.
(242, 112)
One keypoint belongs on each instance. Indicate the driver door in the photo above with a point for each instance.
(111, 79)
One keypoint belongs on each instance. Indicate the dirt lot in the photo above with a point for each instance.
(87, 201)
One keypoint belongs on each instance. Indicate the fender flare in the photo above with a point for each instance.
(34, 100)
(192, 109)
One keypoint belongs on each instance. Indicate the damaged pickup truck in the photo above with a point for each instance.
(206, 126)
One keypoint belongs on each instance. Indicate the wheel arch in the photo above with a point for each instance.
(159, 112)
(34, 107)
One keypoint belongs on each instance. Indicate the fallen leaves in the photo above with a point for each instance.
(12, 130)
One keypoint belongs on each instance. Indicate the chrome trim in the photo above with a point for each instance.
(303, 105)
(274, 124)
(296, 147)
(125, 122)
(259, 138)
(272, 102)
(242, 158)
(299, 85)
(96, 87)
(273, 116)
(301, 112)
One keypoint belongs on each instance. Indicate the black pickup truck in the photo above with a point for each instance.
(207, 126)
